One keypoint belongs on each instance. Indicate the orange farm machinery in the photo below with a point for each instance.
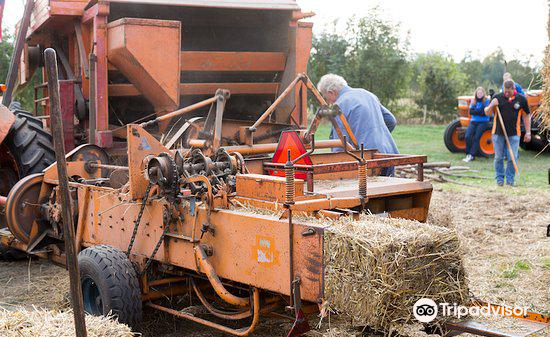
(455, 132)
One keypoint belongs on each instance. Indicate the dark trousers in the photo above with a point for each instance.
(473, 134)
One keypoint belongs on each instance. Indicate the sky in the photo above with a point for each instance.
(456, 27)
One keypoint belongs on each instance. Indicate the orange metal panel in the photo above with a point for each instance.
(143, 144)
(232, 61)
(234, 88)
(71, 8)
(258, 244)
(264, 187)
(147, 52)
(116, 90)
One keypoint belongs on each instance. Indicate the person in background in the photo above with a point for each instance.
(479, 123)
(508, 77)
(512, 108)
(369, 120)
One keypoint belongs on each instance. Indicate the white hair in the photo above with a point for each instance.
(331, 82)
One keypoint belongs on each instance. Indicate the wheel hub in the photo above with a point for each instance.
(23, 206)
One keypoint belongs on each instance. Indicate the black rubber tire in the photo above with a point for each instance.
(114, 277)
(10, 254)
(31, 147)
(448, 136)
(29, 144)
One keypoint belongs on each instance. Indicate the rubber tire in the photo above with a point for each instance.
(448, 136)
(29, 144)
(116, 279)
(481, 152)
(31, 147)
(11, 254)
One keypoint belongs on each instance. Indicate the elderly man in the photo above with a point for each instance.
(369, 120)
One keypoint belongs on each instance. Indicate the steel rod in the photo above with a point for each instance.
(276, 103)
(68, 227)
(181, 111)
(271, 147)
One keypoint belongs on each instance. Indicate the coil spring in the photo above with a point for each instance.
(362, 173)
(290, 187)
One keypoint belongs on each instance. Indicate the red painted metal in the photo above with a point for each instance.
(103, 136)
(66, 93)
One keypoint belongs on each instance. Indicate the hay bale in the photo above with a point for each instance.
(377, 268)
(45, 323)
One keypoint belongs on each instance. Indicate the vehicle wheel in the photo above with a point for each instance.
(536, 144)
(454, 138)
(26, 150)
(10, 254)
(110, 284)
(29, 144)
(486, 148)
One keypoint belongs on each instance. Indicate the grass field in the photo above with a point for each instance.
(428, 140)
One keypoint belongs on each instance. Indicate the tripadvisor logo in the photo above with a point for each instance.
(425, 310)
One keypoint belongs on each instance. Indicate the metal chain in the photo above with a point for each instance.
(159, 242)
(138, 219)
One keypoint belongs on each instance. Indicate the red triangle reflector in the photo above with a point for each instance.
(290, 140)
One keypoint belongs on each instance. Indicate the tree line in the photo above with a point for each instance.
(372, 55)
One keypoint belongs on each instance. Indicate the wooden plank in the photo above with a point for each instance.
(186, 89)
(232, 61)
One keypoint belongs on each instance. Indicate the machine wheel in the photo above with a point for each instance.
(454, 141)
(29, 144)
(27, 150)
(110, 284)
(10, 254)
(486, 148)
(536, 144)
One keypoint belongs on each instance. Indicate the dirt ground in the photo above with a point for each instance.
(503, 233)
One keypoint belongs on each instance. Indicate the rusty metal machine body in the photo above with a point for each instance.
(197, 219)
(128, 61)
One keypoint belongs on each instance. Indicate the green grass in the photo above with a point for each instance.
(428, 140)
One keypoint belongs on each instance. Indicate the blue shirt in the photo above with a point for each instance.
(477, 111)
(368, 119)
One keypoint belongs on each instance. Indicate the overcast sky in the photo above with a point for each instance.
(451, 26)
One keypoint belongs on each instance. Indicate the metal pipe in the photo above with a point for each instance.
(237, 315)
(67, 214)
(172, 291)
(219, 288)
(181, 111)
(107, 167)
(13, 71)
(271, 147)
(276, 103)
(198, 143)
(236, 332)
(166, 281)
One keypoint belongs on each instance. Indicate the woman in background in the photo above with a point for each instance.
(479, 123)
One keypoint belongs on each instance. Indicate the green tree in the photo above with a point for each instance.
(370, 55)
(328, 54)
(378, 58)
(23, 95)
(439, 82)
(6, 50)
